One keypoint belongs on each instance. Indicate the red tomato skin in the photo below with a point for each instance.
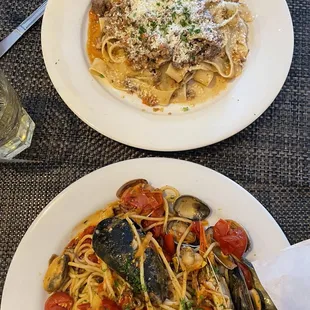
(247, 275)
(108, 304)
(169, 245)
(220, 229)
(59, 301)
(195, 228)
(232, 241)
(84, 306)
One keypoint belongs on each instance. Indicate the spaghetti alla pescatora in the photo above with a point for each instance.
(167, 50)
(154, 249)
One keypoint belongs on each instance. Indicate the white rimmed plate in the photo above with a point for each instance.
(52, 229)
(120, 116)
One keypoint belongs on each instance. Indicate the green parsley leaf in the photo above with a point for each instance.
(153, 25)
(197, 30)
(185, 109)
(101, 75)
(183, 22)
(184, 37)
(142, 30)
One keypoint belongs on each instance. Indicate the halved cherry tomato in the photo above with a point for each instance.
(232, 241)
(108, 304)
(142, 200)
(169, 245)
(221, 228)
(157, 230)
(247, 275)
(59, 301)
(84, 306)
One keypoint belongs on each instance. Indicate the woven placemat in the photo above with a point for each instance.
(270, 158)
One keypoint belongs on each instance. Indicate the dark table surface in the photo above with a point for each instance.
(270, 158)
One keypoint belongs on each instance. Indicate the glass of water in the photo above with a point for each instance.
(16, 126)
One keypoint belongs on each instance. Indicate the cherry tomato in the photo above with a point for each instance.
(84, 306)
(93, 258)
(247, 275)
(195, 228)
(142, 200)
(157, 230)
(221, 228)
(169, 245)
(108, 304)
(232, 241)
(59, 301)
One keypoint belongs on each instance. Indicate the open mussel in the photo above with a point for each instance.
(115, 244)
(56, 273)
(178, 228)
(191, 208)
(239, 291)
(260, 297)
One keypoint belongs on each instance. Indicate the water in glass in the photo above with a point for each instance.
(16, 126)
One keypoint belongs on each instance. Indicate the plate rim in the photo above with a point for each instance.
(168, 146)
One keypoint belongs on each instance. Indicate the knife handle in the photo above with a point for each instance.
(30, 20)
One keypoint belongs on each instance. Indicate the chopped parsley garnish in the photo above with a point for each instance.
(184, 37)
(158, 4)
(142, 30)
(116, 283)
(174, 15)
(153, 25)
(216, 269)
(183, 23)
(185, 109)
(101, 75)
(186, 304)
(164, 28)
(197, 30)
(186, 12)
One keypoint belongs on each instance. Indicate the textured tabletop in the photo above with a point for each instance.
(270, 158)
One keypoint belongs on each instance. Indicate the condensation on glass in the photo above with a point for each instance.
(16, 126)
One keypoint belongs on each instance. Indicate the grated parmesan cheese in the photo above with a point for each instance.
(153, 31)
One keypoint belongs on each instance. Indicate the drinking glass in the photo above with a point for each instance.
(16, 126)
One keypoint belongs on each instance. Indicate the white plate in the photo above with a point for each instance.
(51, 231)
(119, 116)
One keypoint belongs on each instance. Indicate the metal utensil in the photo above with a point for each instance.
(10, 40)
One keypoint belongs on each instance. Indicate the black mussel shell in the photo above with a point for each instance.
(239, 292)
(113, 242)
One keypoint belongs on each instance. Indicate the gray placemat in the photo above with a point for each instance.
(270, 158)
